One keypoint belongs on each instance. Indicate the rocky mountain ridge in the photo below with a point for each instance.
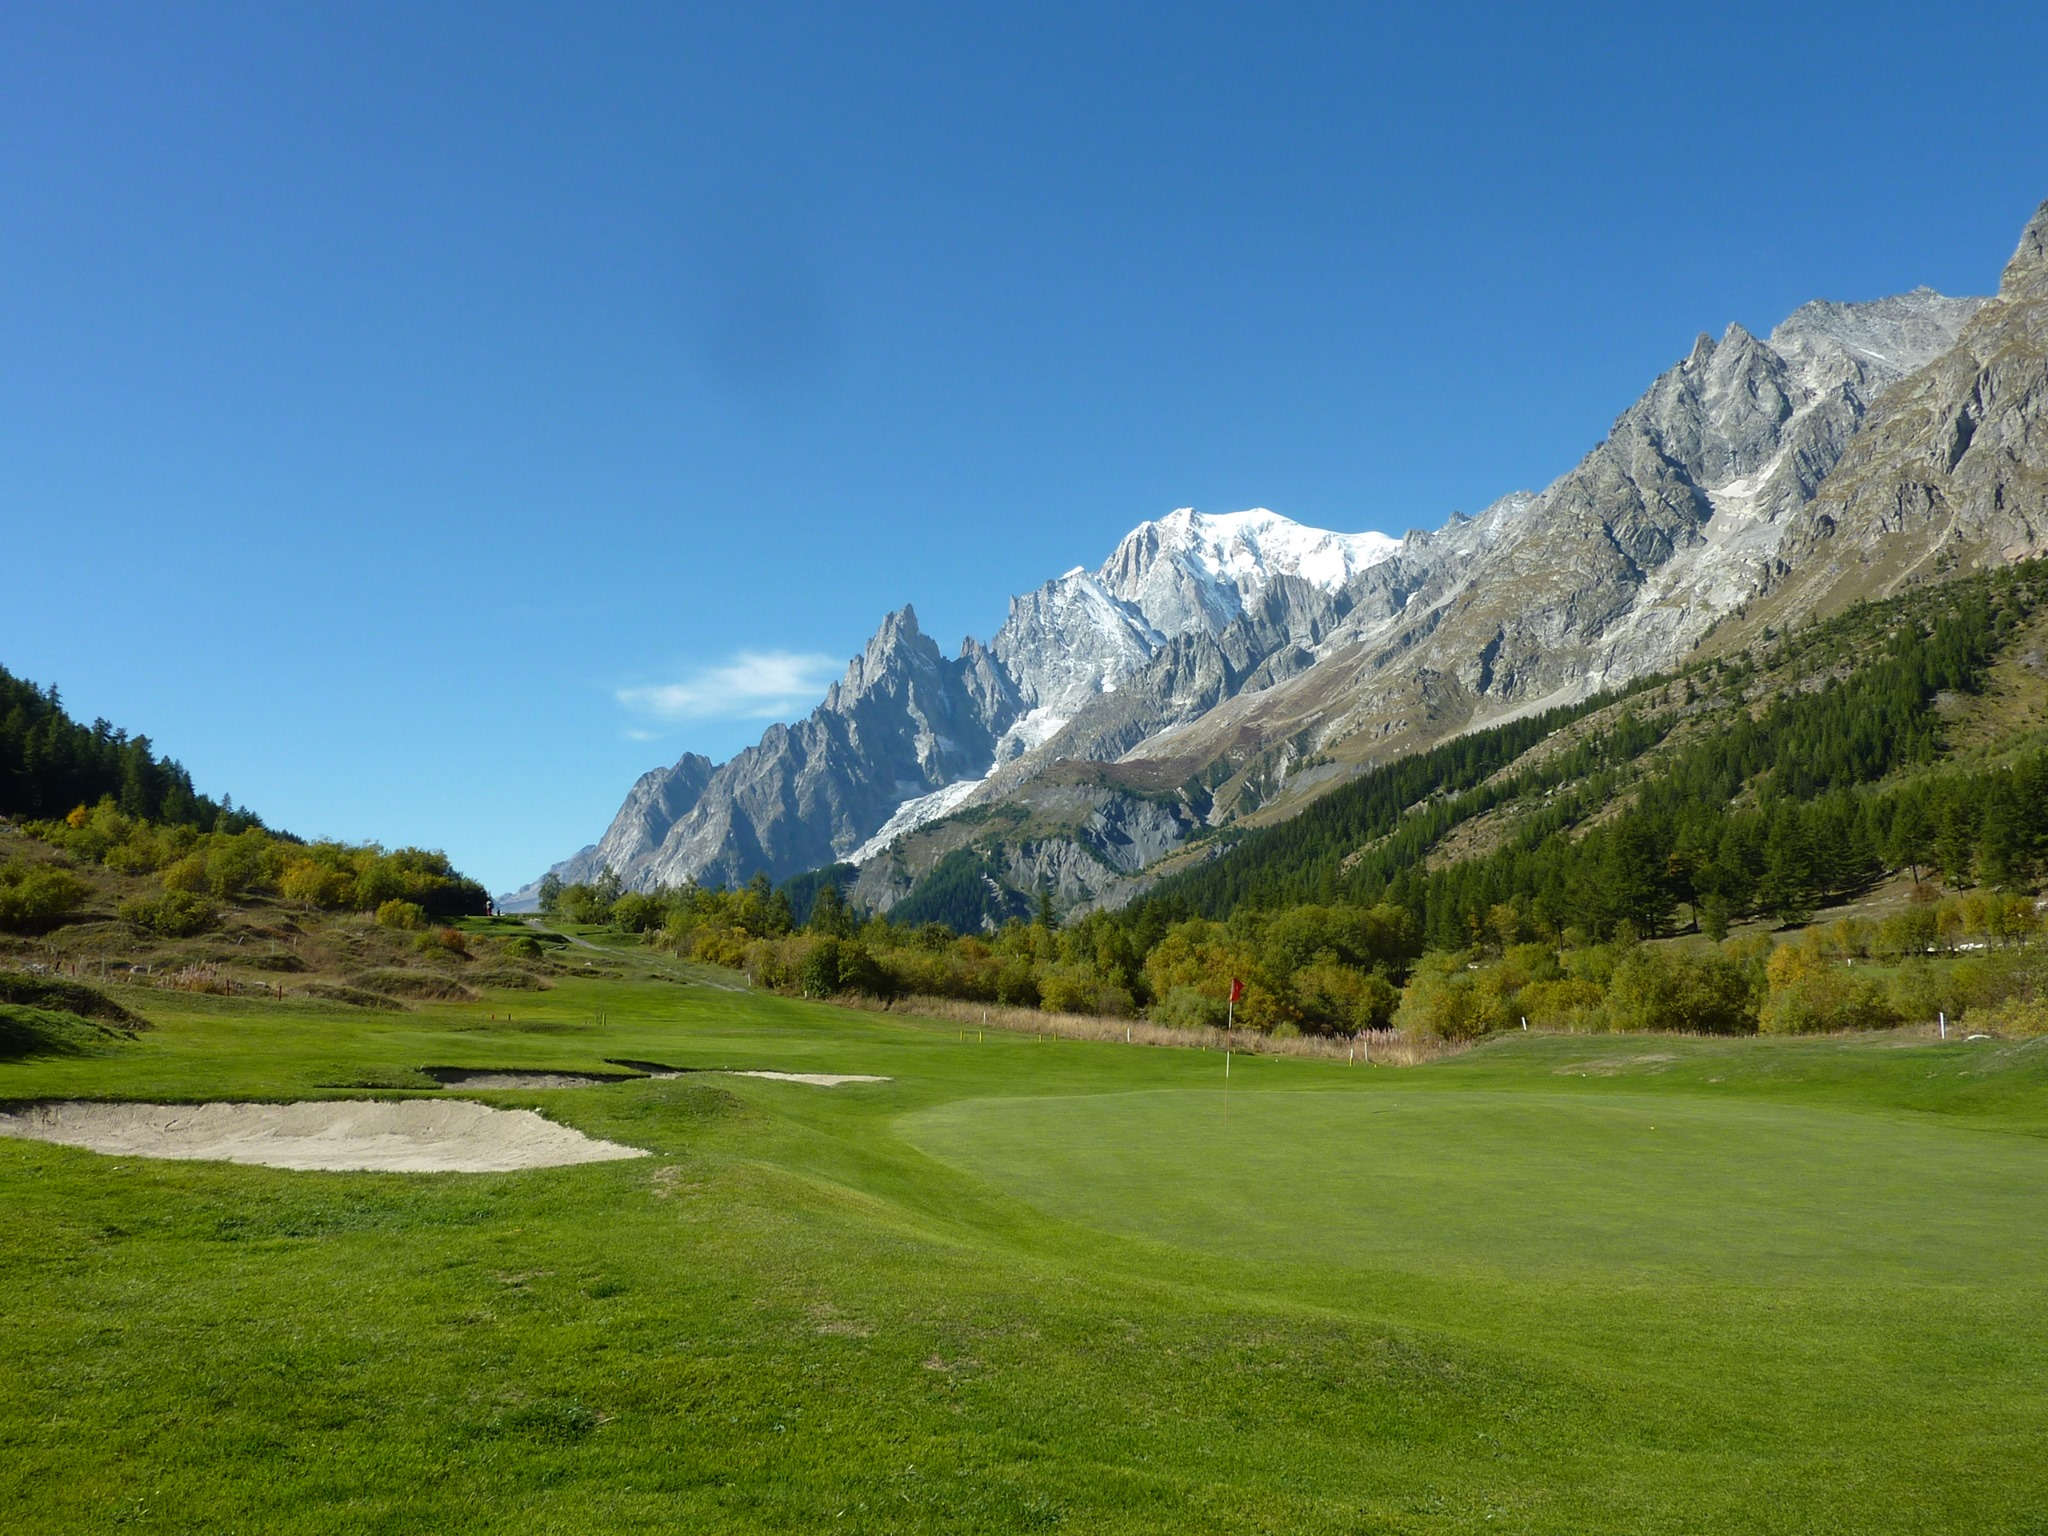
(1215, 667)
(907, 733)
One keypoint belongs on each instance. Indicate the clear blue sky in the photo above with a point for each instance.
(422, 419)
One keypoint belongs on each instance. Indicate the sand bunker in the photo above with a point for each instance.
(493, 1077)
(409, 1136)
(488, 1077)
(815, 1079)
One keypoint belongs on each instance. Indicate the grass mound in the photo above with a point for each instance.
(416, 986)
(63, 996)
(26, 1032)
(510, 978)
(353, 997)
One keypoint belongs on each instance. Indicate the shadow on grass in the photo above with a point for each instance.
(27, 1032)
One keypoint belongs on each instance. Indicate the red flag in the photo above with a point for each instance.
(1236, 990)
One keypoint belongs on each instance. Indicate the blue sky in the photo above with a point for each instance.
(421, 420)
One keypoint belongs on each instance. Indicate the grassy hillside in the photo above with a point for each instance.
(1910, 732)
(1553, 1285)
(153, 931)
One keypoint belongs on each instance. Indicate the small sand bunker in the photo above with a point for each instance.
(815, 1079)
(492, 1077)
(408, 1136)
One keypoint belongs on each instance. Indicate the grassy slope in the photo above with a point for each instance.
(1032, 1285)
(2010, 716)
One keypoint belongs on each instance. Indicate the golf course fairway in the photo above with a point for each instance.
(1554, 1284)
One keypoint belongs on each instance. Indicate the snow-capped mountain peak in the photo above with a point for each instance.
(1193, 569)
(1253, 546)
(1079, 634)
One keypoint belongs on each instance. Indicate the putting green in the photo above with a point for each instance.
(1522, 1184)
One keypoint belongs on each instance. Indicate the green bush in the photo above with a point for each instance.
(1066, 987)
(186, 874)
(2015, 1018)
(817, 972)
(1445, 999)
(1810, 994)
(1188, 1008)
(1921, 992)
(1698, 991)
(1341, 999)
(317, 884)
(173, 915)
(400, 913)
(1567, 1003)
(37, 897)
(858, 972)
(637, 913)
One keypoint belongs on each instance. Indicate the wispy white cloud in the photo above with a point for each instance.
(751, 685)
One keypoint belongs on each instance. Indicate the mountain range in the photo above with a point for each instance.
(1219, 670)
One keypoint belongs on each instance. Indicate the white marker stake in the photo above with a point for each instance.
(1944, 1025)
(1525, 1021)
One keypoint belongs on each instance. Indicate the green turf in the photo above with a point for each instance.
(1554, 1285)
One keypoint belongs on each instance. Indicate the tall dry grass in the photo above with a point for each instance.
(1379, 1047)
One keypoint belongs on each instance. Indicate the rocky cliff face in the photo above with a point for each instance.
(1072, 831)
(903, 721)
(658, 799)
(1237, 659)
(1952, 468)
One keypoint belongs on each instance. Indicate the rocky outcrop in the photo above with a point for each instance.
(1080, 837)
(1952, 469)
